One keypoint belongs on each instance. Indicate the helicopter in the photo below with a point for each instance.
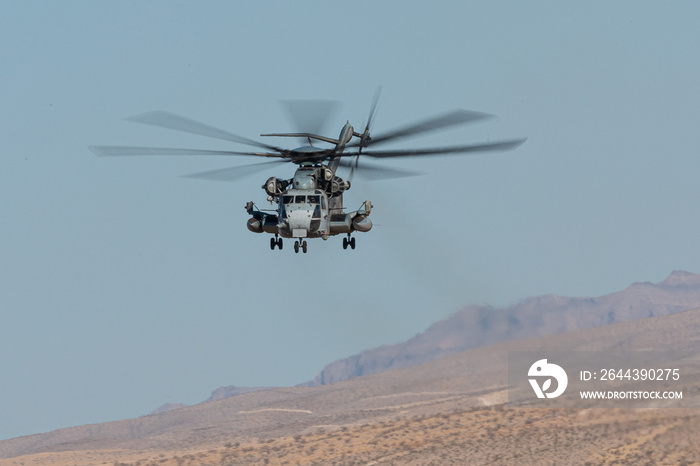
(310, 204)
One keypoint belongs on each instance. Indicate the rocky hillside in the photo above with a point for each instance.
(546, 315)
(450, 411)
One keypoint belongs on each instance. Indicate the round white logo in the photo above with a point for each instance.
(546, 371)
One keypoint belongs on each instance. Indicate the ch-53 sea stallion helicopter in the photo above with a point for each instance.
(310, 204)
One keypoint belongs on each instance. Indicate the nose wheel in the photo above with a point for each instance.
(348, 242)
(300, 245)
(275, 242)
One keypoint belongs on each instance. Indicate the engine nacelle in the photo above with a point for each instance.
(324, 173)
(338, 186)
(274, 187)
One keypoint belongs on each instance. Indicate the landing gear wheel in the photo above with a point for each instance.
(345, 243)
(352, 243)
(303, 246)
(296, 247)
(275, 242)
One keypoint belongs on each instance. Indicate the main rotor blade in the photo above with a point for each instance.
(309, 116)
(491, 146)
(135, 150)
(304, 137)
(233, 173)
(178, 123)
(373, 172)
(457, 117)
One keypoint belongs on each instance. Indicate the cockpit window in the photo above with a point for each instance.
(314, 199)
(300, 199)
(287, 199)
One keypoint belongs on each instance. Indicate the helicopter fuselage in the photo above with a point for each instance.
(310, 205)
(303, 213)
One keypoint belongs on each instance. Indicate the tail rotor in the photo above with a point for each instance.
(365, 137)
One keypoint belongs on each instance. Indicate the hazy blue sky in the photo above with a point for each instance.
(124, 286)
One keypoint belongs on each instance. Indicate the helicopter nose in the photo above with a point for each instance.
(299, 219)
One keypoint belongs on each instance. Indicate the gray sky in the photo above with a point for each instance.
(124, 286)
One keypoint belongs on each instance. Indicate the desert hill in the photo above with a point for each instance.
(545, 315)
(448, 411)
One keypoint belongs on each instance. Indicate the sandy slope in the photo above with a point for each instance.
(449, 411)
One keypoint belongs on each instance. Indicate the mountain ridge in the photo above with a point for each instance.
(304, 419)
(477, 326)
